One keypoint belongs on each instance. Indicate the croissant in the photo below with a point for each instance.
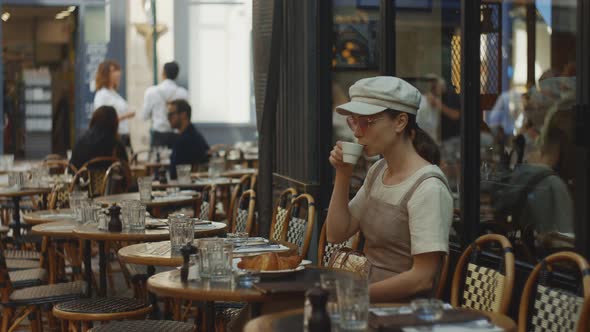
(269, 262)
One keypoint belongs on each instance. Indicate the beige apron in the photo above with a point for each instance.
(386, 230)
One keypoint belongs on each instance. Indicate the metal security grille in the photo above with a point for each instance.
(456, 63)
(491, 53)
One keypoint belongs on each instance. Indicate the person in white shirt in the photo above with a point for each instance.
(108, 78)
(155, 105)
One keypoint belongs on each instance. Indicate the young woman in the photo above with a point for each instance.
(108, 78)
(100, 140)
(404, 208)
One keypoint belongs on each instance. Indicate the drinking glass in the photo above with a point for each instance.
(204, 266)
(75, 202)
(16, 180)
(136, 216)
(89, 211)
(194, 267)
(145, 188)
(7, 161)
(353, 302)
(216, 167)
(220, 260)
(183, 173)
(182, 230)
(429, 310)
(328, 283)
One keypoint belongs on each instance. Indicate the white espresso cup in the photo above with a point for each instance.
(351, 152)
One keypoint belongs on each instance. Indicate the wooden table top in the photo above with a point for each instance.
(292, 320)
(91, 232)
(56, 229)
(45, 216)
(160, 254)
(5, 192)
(168, 284)
(229, 173)
(171, 201)
(196, 184)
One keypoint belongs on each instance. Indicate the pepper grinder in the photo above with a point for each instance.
(115, 225)
(162, 175)
(186, 251)
(319, 320)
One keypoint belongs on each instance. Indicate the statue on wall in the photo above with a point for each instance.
(146, 30)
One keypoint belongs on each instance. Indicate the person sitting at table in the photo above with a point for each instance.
(101, 138)
(404, 208)
(190, 147)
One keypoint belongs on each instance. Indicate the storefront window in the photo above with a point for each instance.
(528, 91)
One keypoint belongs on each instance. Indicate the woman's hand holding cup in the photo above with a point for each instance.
(344, 156)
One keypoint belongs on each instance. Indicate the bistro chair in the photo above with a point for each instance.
(96, 174)
(59, 166)
(279, 214)
(85, 311)
(117, 179)
(32, 299)
(300, 223)
(545, 308)
(243, 220)
(145, 325)
(244, 184)
(327, 249)
(483, 288)
(208, 201)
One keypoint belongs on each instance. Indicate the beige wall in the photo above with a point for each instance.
(418, 42)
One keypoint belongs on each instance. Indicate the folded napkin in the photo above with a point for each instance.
(455, 319)
(473, 326)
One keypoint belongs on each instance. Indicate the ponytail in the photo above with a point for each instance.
(424, 145)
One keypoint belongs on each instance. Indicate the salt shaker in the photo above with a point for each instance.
(186, 251)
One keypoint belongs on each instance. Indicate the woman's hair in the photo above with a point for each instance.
(105, 120)
(424, 145)
(103, 73)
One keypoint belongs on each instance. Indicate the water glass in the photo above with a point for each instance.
(182, 230)
(16, 180)
(353, 302)
(429, 310)
(7, 162)
(204, 266)
(89, 211)
(145, 188)
(136, 217)
(75, 202)
(183, 173)
(216, 167)
(193, 267)
(328, 283)
(220, 260)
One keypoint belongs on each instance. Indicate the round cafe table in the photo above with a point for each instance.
(277, 294)
(233, 173)
(53, 231)
(197, 184)
(45, 216)
(16, 196)
(92, 233)
(155, 205)
(292, 321)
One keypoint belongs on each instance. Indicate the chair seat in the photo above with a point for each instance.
(21, 264)
(21, 254)
(48, 293)
(145, 326)
(97, 306)
(27, 278)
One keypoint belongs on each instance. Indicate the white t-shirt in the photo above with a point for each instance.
(155, 100)
(430, 208)
(109, 97)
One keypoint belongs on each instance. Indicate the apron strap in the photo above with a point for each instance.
(379, 165)
(408, 195)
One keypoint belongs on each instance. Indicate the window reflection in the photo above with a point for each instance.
(527, 160)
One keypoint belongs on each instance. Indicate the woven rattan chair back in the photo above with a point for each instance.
(245, 213)
(545, 308)
(300, 218)
(6, 288)
(279, 214)
(117, 179)
(97, 169)
(208, 201)
(327, 249)
(479, 287)
(243, 185)
(59, 198)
